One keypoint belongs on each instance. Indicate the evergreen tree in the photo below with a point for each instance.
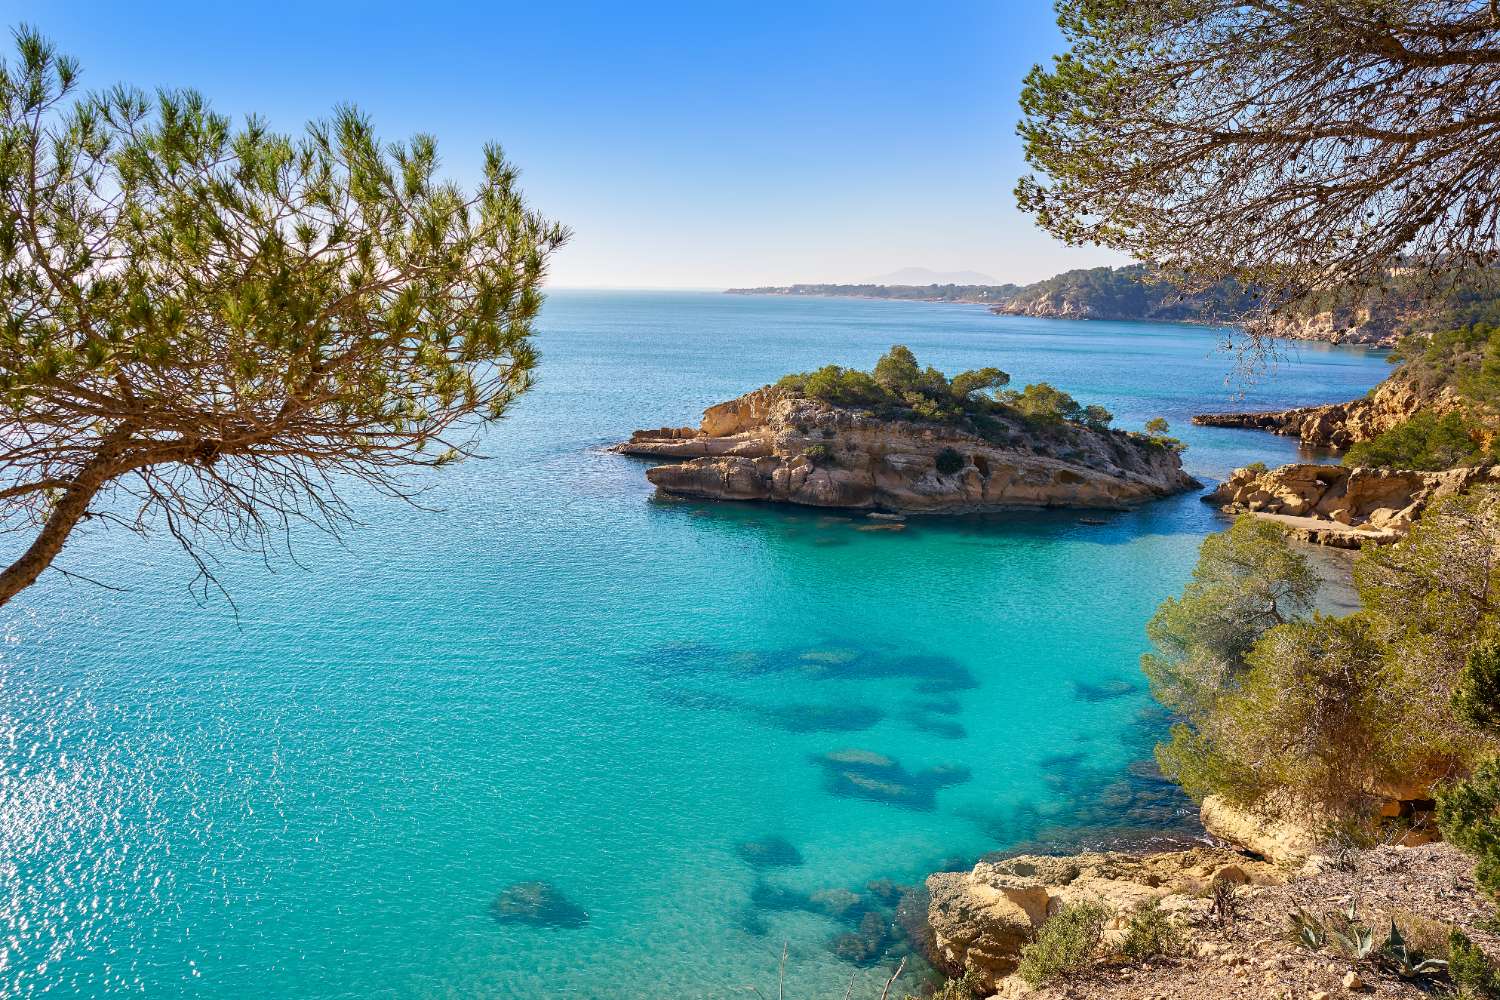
(220, 327)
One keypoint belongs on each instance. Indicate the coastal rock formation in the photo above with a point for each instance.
(1334, 505)
(773, 445)
(981, 919)
(1281, 836)
(1340, 425)
(1289, 835)
(1426, 891)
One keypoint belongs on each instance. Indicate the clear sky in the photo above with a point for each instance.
(700, 144)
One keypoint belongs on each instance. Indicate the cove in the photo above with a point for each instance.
(554, 677)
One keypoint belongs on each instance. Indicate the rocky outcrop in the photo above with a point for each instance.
(772, 445)
(1381, 325)
(1334, 505)
(981, 919)
(1280, 835)
(1289, 835)
(1339, 425)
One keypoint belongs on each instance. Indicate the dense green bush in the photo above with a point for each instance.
(1424, 441)
(1046, 403)
(949, 461)
(1473, 974)
(1322, 709)
(1064, 945)
(900, 388)
(1248, 580)
(1149, 934)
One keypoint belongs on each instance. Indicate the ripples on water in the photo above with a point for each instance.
(559, 679)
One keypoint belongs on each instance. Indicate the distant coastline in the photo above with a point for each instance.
(1135, 293)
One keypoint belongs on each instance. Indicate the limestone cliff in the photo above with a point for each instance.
(1339, 506)
(774, 445)
(1339, 425)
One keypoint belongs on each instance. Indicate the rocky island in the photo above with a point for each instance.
(907, 440)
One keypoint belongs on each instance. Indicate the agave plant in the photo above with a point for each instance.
(1407, 962)
(1354, 939)
(1308, 930)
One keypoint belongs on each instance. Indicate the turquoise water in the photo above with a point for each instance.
(557, 677)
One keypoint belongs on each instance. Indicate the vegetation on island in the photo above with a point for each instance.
(1278, 703)
(1302, 150)
(210, 327)
(899, 388)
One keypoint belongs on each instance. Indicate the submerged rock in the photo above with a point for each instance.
(801, 718)
(538, 903)
(769, 852)
(865, 774)
(1109, 690)
(772, 444)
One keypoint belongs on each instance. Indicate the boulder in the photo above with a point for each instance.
(1280, 834)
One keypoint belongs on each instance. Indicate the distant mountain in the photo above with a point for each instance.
(925, 276)
(982, 294)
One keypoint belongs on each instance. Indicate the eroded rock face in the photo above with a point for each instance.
(1340, 425)
(981, 919)
(768, 445)
(1334, 505)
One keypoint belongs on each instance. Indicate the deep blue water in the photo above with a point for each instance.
(557, 677)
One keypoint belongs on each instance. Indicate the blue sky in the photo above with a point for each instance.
(688, 145)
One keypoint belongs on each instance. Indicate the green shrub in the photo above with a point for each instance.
(1323, 710)
(949, 461)
(1469, 815)
(1045, 403)
(1064, 945)
(1474, 975)
(1258, 468)
(1149, 934)
(819, 454)
(1424, 441)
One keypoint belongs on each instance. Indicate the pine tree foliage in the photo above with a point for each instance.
(216, 328)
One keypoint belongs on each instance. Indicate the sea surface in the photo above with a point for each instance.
(553, 676)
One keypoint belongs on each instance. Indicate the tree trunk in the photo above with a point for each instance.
(70, 509)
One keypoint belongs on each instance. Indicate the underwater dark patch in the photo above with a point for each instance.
(865, 774)
(769, 852)
(809, 718)
(1107, 691)
(540, 904)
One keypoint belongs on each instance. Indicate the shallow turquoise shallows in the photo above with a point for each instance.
(558, 678)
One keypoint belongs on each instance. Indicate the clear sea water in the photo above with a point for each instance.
(557, 677)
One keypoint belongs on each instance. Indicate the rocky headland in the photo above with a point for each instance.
(775, 445)
(1342, 425)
